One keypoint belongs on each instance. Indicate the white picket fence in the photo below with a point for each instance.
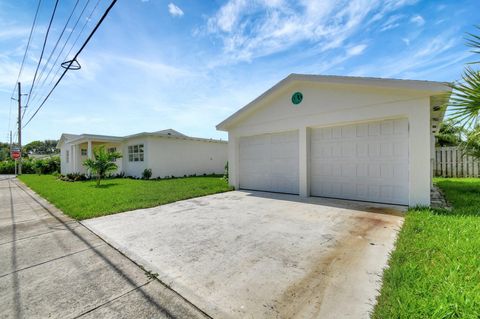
(449, 162)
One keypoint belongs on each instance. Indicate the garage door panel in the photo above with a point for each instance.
(367, 161)
(386, 128)
(284, 138)
(269, 162)
(254, 166)
(284, 166)
(400, 149)
(373, 129)
(362, 130)
(251, 151)
(283, 151)
(348, 149)
(400, 127)
(348, 169)
(256, 181)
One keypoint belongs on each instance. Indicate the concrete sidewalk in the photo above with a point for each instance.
(52, 266)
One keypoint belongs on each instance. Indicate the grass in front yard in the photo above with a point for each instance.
(434, 271)
(82, 200)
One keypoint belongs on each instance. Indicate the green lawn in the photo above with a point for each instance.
(82, 200)
(434, 271)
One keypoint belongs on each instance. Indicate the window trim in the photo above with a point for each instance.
(136, 152)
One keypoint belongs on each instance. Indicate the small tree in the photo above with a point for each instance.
(102, 163)
(449, 134)
(471, 145)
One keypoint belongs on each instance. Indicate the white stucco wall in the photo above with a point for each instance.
(179, 157)
(333, 104)
(64, 166)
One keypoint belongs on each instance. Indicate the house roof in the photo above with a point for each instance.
(431, 88)
(66, 137)
(168, 133)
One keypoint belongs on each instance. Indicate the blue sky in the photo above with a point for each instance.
(188, 64)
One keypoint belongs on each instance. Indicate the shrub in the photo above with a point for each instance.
(120, 175)
(47, 165)
(73, 177)
(225, 174)
(147, 173)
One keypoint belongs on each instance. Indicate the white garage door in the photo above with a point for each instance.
(269, 162)
(366, 161)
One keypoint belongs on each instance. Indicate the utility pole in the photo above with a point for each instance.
(20, 127)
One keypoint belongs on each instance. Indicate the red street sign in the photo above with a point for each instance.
(15, 154)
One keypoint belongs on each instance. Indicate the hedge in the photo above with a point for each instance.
(47, 165)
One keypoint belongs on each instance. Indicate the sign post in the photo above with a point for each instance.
(16, 155)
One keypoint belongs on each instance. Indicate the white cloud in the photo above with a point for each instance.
(8, 32)
(406, 41)
(174, 10)
(435, 46)
(391, 23)
(252, 29)
(418, 20)
(414, 61)
(356, 50)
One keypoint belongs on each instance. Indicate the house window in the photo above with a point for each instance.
(84, 152)
(67, 156)
(112, 149)
(135, 153)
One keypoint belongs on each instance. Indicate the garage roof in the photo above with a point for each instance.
(438, 91)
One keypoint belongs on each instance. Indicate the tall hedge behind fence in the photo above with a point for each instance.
(449, 162)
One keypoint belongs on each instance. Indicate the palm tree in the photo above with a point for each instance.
(102, 163)
(465, 99)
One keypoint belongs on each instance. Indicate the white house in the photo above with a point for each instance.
(357, 138)
(166, 153)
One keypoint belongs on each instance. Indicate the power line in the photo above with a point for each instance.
(54, 48)
(41, 55)
(67, 67)
(23, 61)
(26, 49)
(61, 51)
(76, 40)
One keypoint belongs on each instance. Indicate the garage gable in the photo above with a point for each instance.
(329, 93)
(320, 99)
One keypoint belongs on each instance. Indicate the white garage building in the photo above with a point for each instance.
(354, 138)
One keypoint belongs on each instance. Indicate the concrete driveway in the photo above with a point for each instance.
(261, 255)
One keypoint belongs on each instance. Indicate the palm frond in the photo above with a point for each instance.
(465, 100)
(473, 41)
